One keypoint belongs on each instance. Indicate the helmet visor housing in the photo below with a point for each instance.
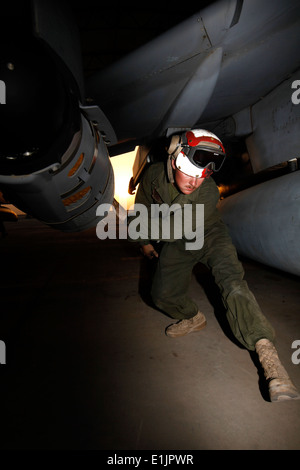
(206, 158)
(200, 153)
(184, 165)
(199, 163)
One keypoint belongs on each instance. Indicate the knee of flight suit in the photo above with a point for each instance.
(235, 288)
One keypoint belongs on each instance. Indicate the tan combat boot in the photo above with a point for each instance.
(183, 327)
(280, 385)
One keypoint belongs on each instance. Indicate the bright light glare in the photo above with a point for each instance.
(122, 166)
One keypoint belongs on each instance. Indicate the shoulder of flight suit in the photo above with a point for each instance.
(153, 174)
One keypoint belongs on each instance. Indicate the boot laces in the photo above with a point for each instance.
(270, 362)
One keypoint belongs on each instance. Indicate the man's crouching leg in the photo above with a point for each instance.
(179, 309)
(170, 288)
(186, 326)
(280, 385)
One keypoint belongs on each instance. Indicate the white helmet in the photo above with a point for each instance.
(197, 153)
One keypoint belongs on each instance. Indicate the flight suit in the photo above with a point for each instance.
(175, 263)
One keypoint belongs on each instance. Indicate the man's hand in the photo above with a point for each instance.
(149, 251)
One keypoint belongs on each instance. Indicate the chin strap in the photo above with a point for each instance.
(206, 173)
(170, 170)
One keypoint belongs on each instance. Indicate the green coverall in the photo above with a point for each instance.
(175, 263)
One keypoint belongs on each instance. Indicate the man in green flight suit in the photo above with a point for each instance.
(185, 182)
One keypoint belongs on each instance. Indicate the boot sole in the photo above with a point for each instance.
(282, 391)
(179, 335)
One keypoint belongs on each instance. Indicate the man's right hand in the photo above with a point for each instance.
(149, 251)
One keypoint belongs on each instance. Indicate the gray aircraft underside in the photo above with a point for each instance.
(233, 68)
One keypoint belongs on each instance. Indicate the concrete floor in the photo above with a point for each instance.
(88, 365)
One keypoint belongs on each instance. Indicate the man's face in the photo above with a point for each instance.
(186, 184)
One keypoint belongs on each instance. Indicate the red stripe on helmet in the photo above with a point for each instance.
(194, 141)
